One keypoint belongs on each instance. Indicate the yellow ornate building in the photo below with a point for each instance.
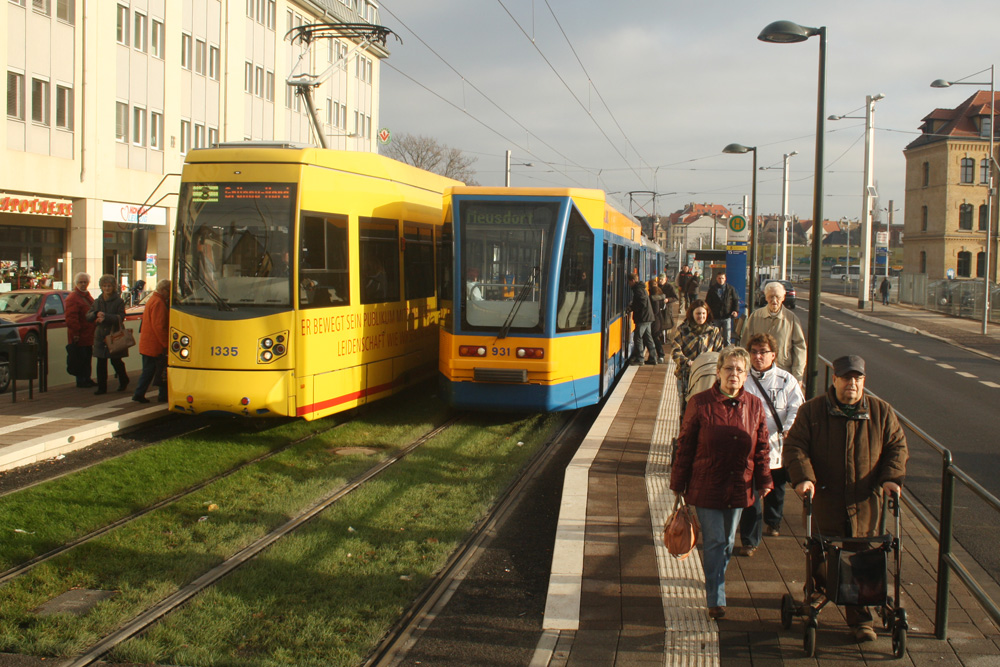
(946, 212)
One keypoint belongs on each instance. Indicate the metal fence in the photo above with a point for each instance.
(959, 298)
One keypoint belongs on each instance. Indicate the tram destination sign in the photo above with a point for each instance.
(499, 213)
(216, 192)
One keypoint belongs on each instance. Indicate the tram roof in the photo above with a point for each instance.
(359, 162)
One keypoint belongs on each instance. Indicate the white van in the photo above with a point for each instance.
(839, 271)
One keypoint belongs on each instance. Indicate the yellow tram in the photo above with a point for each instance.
(305, 281)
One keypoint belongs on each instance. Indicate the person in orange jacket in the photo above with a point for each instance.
(153, 342)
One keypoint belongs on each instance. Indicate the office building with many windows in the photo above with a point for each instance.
(106, 97)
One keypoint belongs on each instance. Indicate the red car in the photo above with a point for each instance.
(31, 306)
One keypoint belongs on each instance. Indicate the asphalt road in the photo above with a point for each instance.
(946, 391)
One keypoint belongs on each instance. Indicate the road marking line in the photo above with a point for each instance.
(925, 358)
(950, 368)
(885, 340)
(990, 384)
(898, 345)
(873, 335)
(966, 375)
(911, 351)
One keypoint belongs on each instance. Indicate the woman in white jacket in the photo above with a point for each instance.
(781, 395)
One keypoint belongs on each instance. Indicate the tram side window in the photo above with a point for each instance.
(445, 259)
(379, 255)
(324, 270)
(576, 282)
(418, 261)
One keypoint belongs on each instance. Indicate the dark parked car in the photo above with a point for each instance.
(789, 301)
(19, 309)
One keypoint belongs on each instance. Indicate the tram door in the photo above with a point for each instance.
(605, 315)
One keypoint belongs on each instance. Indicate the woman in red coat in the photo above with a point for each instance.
(80, 331)
(153, 342)
(721, 460)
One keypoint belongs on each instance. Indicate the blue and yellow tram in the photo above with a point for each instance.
(538, 314)
(305, 281)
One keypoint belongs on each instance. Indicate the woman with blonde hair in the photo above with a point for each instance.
(108, 311)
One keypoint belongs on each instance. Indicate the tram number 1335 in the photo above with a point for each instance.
(223, 351)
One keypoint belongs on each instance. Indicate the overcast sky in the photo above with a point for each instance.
(680, 80)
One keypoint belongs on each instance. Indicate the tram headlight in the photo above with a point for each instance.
(180, 345)
(530, 353)
(272, 347)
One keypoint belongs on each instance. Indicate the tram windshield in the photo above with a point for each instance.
(232, 248)
(505, 254)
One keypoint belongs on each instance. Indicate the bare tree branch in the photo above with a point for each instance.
(427, 153)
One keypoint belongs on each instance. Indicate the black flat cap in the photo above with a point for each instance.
(849, 364)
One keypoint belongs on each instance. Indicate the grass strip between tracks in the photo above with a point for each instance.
(326, 594)
(149, 558)
(43, 517)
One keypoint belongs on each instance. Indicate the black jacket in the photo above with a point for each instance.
(642, 310)
(723, 302)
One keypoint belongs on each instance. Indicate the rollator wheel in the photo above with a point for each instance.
(809, 640)
(787, 610)
(898, 641)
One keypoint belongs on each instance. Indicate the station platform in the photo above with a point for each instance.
(617, 598)
(66, 418)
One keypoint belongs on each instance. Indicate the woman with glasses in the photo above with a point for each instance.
(722, 458)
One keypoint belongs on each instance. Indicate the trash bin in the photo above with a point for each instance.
(23, 360)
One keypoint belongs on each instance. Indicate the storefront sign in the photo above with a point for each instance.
(35, 206)
(117, 212)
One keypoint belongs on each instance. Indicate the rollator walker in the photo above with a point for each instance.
(856, 574)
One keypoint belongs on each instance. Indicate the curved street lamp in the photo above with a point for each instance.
(752, 247)
(941, 83)
(787, 32)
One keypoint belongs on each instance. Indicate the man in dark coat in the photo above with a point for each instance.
(848, 450)
(682, 282)
(724, 303)
(691, 288)
(642, 316)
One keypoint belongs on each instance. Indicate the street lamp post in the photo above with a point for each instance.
(784, 214)
(941, 83)
(867, 194)
(786, 32)
(752, 246)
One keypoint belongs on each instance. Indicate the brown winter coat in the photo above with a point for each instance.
(722, 451)
(848, 460)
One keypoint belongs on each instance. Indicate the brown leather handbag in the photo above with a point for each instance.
(680, 532)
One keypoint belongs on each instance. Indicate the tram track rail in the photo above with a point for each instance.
(154, 613)
(26, 566)
(435, 597)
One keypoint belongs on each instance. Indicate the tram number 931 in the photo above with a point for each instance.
(223, 351)
(502, 352)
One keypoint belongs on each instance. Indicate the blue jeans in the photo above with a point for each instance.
(151, 367)
(754, 517)
(718, 533)
(725, 325)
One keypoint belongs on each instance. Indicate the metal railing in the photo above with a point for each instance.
(943, 531)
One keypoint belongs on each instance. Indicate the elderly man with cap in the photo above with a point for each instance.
(847, 450)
